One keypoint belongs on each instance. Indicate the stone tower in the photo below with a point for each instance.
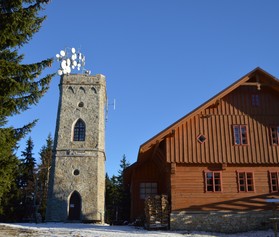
(77, 174)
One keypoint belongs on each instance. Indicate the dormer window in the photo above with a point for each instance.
(79, 131)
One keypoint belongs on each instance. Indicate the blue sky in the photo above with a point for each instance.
(161, 59)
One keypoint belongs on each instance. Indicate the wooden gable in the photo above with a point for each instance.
(205, 135)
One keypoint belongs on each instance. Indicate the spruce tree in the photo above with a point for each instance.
(110, 195)
(43, 175)
(20, 85)
(28, 180)
(8, 169)
(124, 198)
(117, 197)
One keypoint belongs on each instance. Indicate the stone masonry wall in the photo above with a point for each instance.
(81, 97)
(225, 222)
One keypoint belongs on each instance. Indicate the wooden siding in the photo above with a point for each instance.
(146, 173)
(188, 189)
(216, 122)
(178, 160)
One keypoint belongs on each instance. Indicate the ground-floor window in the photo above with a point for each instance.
(245, 181)
(213, 181)
(147, 189)
(273, 176)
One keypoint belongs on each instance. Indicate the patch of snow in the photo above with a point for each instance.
(95, 230)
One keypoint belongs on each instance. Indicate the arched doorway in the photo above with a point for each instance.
(75, 206)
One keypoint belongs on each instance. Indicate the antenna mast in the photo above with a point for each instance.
(69, 60)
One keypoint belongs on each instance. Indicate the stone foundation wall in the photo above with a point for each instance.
(225, 222)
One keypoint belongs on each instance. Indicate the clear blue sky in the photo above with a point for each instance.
(161, 58)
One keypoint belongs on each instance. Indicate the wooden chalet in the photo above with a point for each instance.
(218, 164)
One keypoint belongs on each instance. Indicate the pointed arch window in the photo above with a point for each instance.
(79, 131)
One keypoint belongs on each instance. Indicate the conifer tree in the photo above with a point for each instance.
(117, 198)
(20, 85)
(8, 171)
(43, 175)
(124, 199)
(27, 180)
(110, 194)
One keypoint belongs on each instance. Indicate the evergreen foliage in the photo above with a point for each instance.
(8, 165)
(43, 175)
(117, 197)
(20, 86)
(27, 181)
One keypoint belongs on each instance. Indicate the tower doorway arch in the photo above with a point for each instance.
(74, 206)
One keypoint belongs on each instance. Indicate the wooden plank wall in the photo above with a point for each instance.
(146, 173)
(188, 189)
(216, 125)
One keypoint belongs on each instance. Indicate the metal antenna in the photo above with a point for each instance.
(107, 107)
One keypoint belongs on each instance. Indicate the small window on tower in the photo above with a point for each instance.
(79, 131)
(94, 90)
(81, 89)
(71, 90)
(76, 172)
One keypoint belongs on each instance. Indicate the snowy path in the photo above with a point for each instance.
(93, 230)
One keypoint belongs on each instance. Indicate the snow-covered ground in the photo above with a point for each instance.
(93, 230)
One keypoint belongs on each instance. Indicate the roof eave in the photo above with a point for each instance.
(160, 136)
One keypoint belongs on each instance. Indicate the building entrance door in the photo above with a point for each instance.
(75, 206)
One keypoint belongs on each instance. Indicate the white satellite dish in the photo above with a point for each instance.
(68, 62)
(63, 64)
(62, 53)
(74, 57)
(70, 59)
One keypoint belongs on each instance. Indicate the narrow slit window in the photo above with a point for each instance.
(79, 131)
